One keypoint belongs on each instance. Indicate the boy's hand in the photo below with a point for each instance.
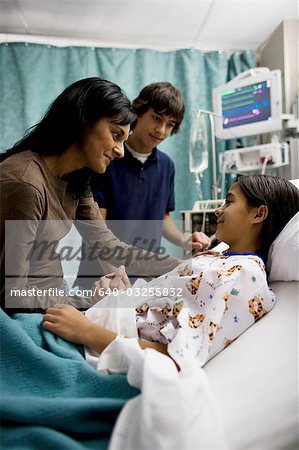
(198, 242)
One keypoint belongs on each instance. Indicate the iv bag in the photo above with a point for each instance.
(198, 150)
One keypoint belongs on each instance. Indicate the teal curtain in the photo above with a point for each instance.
(32, 75)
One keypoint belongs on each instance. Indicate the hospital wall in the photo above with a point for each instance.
(281, 51)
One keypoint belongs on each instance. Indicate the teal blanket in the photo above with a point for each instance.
(51, 398)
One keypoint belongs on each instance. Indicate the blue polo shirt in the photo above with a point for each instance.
(137, 195)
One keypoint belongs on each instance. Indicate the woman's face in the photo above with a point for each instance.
(234, 218)
(103, 142)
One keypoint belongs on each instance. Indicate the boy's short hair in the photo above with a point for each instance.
(164, 98)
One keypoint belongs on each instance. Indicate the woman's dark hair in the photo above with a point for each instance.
(78, 107)
(279, 195)
(164, 98)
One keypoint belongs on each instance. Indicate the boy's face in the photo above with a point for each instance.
(152, 128)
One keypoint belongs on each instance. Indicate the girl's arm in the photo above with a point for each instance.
(68, 323)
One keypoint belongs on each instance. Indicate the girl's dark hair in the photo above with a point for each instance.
(164, 98)
(279, 195)
(78, 107)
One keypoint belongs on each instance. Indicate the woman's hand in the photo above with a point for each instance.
(68, 323)
(116, 280)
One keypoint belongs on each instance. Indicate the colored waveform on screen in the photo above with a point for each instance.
(247, 104)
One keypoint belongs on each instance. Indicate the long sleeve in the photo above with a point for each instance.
(37, 211)
(217, 299)
(107, 247)
(31, 272)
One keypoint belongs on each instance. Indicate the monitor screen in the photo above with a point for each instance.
(248, 105)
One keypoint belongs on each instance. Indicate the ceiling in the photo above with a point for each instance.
(161, 24)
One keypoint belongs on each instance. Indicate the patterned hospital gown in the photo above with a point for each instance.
(213, 300)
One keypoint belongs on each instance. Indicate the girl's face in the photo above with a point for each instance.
(235, 219)
(101, 143)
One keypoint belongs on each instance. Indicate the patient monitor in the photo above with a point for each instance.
(250, 104)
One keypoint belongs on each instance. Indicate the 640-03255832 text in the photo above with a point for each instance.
(132, 291)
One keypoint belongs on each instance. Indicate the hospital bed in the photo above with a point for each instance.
(247, 396)
(255, 380)
(51, 398)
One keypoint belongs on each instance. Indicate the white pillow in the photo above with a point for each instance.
(295, 183)
(283, 257)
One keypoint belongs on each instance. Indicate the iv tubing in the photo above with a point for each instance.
(214, 171)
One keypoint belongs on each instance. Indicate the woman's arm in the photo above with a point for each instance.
(68, 323)
(106, 247)
(31, 271)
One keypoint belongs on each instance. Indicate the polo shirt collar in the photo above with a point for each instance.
(153, 157)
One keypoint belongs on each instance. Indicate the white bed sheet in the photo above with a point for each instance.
(255, 380)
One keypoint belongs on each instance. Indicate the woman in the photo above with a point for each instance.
(205, 303)
(45, 187)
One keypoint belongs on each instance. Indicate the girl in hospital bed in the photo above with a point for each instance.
(205, 303)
